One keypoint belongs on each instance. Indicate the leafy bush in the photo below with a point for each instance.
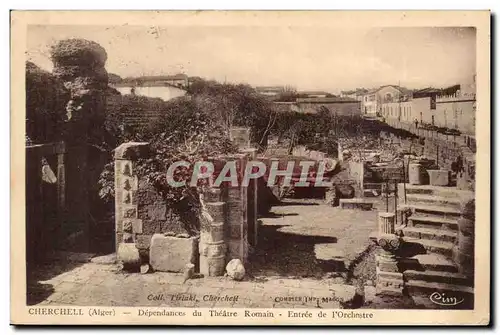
(46, 99)
(190, 128)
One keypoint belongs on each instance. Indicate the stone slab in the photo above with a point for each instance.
(439, 177)
(132, 150)
(386, 266)
(171, 254)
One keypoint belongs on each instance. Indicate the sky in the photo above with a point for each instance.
(305, 57)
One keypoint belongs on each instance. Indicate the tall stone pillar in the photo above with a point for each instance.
(127, 224)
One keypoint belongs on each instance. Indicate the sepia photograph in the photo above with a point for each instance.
(280, 168)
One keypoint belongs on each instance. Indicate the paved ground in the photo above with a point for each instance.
(105, 284)
(308, 257)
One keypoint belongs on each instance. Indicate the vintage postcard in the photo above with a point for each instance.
(250, 168)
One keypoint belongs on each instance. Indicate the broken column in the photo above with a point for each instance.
(389, 279)
(212, 243)
(386, 222)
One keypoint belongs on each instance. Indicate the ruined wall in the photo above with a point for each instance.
(142, 212)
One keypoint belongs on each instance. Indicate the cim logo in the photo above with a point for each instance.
(444, 300)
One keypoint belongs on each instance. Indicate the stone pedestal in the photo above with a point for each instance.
(439, 177)
(415, 174)
(386, 223)
(389, 278)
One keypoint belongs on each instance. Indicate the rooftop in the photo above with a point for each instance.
(401, 89)
(357, 91)
(326, 100)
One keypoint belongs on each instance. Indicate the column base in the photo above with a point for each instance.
(389, 283)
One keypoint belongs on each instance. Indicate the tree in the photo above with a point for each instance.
(46, 98)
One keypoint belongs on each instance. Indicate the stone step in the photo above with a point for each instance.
(432, 222)
(441, 295)
(441, 211)
(431, 246)
(431, 262)
(427, 199)
(430, 234)
(453, 278)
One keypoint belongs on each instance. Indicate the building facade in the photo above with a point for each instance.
(354, 94)
(372, 100)
(163, 87)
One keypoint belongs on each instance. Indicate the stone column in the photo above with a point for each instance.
(127, 224)
(212, 243)
(252, 202)
(236, 198)
(386, 223)
(389, 279)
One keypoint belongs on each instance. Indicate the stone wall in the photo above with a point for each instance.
(456, 113)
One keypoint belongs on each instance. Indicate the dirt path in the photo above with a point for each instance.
(305, 238)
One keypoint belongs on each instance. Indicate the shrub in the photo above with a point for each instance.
(46, 98)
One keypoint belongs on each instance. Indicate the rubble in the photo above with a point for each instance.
(235, 269)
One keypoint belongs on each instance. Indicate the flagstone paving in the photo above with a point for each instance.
(93, 284)
(304, 259)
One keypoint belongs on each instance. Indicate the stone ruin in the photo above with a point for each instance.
(146, 234)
